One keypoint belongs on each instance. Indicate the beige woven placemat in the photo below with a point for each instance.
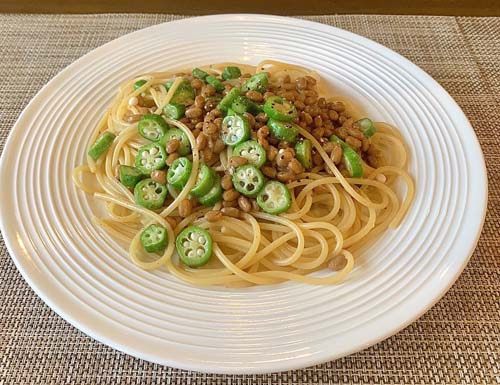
(457, 341)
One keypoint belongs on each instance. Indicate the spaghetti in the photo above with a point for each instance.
(329, 174)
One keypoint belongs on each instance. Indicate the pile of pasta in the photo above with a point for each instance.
(331, 216)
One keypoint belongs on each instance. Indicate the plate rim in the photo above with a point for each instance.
(8, 226)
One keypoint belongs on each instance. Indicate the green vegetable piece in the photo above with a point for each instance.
(204, 181)
(152, 127)
(199, 73)
(150, 157)
(227, 100)
(184, 94)
(150, 194)
(252, 151)
(235, 129)
(130, 176)
(214, 195)
(257, 82)
(304, 153)
(177, 133)
(231, 72)
(139, 83)
(350, 158)
(214, 82)
(179, 172)
(154, 238)
(248, 180)
(367, 126)
(243, 104)
(283, 130)
(174, 110)
(194, 246)
(274, 198)
(101, 145)
(168, 84)
(280, 109)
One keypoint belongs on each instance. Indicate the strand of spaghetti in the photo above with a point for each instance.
(77, 172)
(243, 231)
(272, 267)
(136, 143)
(201, 280)
(363, 231)
(321, 256)
(169, 95)
(135, 244)
(295, 212)
(127, 156)
(234, 243)
(308, 189)
(111, 230)
(172, 191)
(354, 181)
(334, 279)
(387, 128)
(254, 231)
(124, 228)
(220, 66)
(274, 227)
(333, 247)
(270, 247)
(120, 218)
(295, 229)
(254, 278)
(102, 179)
(394, 144)
(254, 268)
(390, 196)
(133, 207)
(120, 140)
(256, 241)
(277, 66)
(348, 210)
(384, 198)
(224, 157)
(312, 181)
(335, 170)
(339, 239)
(156, 95)
(410, 193)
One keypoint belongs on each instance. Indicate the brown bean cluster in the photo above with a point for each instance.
(231, 197)
(315, 114)
(323, 119)
(205, 121)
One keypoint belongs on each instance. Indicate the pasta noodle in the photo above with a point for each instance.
(332, 214)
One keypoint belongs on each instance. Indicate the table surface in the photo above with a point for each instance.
(293, 7)
(457, 341)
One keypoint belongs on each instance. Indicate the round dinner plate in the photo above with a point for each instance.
(88, 279)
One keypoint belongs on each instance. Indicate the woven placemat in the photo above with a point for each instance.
(457, 341)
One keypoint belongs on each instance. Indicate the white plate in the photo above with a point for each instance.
(87, 278)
